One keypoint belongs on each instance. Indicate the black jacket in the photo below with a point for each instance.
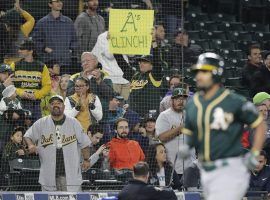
(248, 72)
(260, 181)
(175, 184)
(138, 190)
(261, 81)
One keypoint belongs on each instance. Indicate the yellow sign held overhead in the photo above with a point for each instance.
(130, 31)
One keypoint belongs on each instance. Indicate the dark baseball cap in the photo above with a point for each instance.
(178, 31)
(5, 68)
(27, 45)
(179, 92)
(117, 96)
(148, 58)
(267, 53)
(56, 97)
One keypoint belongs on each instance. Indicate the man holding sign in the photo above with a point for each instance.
(130, 33)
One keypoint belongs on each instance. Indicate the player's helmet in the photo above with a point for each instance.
(210, 62)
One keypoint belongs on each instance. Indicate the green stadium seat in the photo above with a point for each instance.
(251, 3)
(221, 17)
(194, 35)
(188, 26)
(209, 26)
(195, 17)
(255, 27)
(221, 44)
(235, 82)
(261, 36)
(210, 35)
(204, 44)
(231, 26)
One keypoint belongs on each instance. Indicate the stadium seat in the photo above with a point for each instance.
(209, 26)
(204, 44)
(194, 35)
(266, 3)
(196, 9)
(229, 72)
(261, 36)
(244, 36)
(266, 45)
(227, 6)
(251, 3)
(213, 35)
(254, 27)
(232, 54)
(243, 45)
(236, 54)
(239, 36)
(221, 17)
(231, 26)
(233, 82)
(188, 26)
(195, 17)
(221, 44)
(239, 63)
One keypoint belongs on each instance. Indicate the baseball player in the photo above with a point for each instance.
(214, 123)
(60, 141)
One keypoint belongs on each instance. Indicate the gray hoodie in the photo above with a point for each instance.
(88, 29)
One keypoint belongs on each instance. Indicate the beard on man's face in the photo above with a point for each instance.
(56, 111)
(122, 135)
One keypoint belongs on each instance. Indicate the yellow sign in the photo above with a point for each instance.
(130, 31)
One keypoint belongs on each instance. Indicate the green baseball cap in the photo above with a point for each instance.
(179, 92)
(260, 97)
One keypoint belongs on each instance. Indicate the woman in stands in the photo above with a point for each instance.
(83, 104)
(63, 84)
(161, 171)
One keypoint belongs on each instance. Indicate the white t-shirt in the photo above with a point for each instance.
(167, 120)
(161, 177)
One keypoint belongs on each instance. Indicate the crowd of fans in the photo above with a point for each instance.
(116, 98)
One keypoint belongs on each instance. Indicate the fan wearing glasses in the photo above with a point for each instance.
(83, 104)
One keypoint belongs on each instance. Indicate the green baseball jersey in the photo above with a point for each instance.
(215, 126)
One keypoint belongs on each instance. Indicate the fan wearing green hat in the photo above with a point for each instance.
(262, 98)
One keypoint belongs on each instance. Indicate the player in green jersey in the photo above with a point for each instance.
(214, 123)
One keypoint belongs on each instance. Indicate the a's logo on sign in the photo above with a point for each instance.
(63, 197)
(20, 197)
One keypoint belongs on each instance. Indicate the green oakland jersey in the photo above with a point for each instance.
(215, 126)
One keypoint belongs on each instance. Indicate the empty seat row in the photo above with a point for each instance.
(230, 35)
(225, 26)
(218, 17)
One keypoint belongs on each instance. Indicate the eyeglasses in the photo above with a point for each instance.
(79, 86)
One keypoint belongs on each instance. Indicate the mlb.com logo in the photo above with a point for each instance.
(63, 197)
